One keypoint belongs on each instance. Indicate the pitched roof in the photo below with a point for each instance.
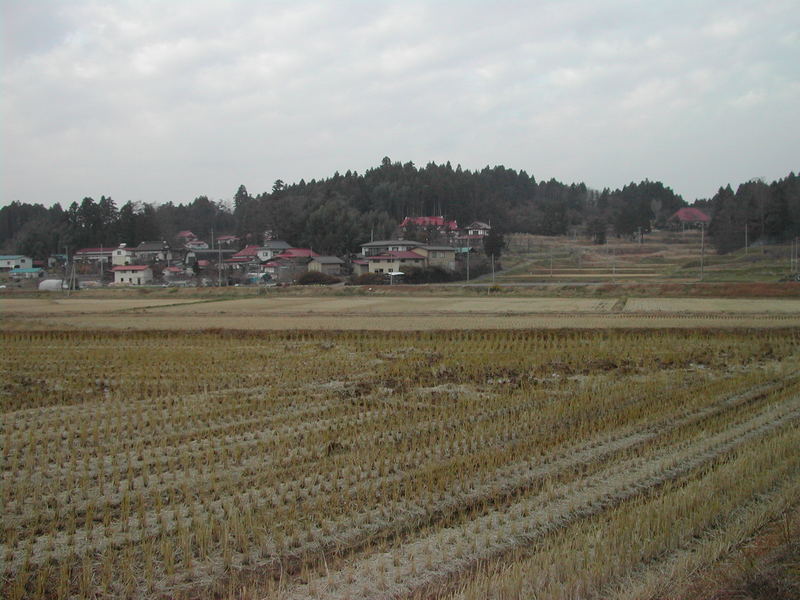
(297, 253)
(225, 238)
(395, 254)
(152, 247)
(689, 214)
(130, 268)
(12, 256)
(185, 234)
(328, 260)
(248, 251)
(211, 253)
(276, 245)
(386, 243)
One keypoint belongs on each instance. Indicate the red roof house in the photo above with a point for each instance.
(297, 253)
(687, 214)
(438, 222)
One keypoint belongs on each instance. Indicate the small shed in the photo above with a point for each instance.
(330, 265)
(28, 273)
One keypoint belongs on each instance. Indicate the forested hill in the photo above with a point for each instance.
(336, 214)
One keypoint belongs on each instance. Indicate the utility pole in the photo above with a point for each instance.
(613, 268)
(468, 252)
(492, 268)
(745, 239)
(702, 249)
(219, 265)
(66, 269)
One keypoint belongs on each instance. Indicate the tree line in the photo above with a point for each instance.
(336, 214)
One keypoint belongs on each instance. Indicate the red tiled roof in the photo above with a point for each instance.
(203, 263)
(689, 214)
(360, 262)
(225, 238)
(429, 222)
(297, 253)
(251, 250)
(185, 234)
(173, 269)
(130, 268)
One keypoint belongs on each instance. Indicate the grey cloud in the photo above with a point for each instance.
(163, 101)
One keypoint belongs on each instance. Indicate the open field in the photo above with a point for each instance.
(662, 256)
(449, 464)
(403, 312)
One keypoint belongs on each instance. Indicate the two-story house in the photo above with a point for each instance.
(387, 256)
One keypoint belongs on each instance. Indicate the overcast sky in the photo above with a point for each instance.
(165, 101)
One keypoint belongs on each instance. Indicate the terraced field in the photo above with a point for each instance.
(469, 464)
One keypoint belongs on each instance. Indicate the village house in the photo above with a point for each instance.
(133, 274)
(95, 255)
(204, 258)
(478, 228)
(15, 261)
(225, 241)
(688, 217)
(383, 246)
(123, 255)
(195, 244)
(438, 256)
(173, 272)
(149, 252)
(330, 265)
(392, 255)
(472, 235)
(360, 266)
(254, 255)
(394, 261)
(284, 270)
(439, 225)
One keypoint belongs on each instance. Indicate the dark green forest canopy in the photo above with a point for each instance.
(336, 214)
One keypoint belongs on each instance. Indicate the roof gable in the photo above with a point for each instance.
(688, 213)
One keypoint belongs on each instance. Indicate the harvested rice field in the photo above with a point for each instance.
(546, 464)
(398, 313)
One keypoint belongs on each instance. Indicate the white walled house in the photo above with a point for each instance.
(15, 261)
(133, 275)
(392, 255)
(123, 255)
